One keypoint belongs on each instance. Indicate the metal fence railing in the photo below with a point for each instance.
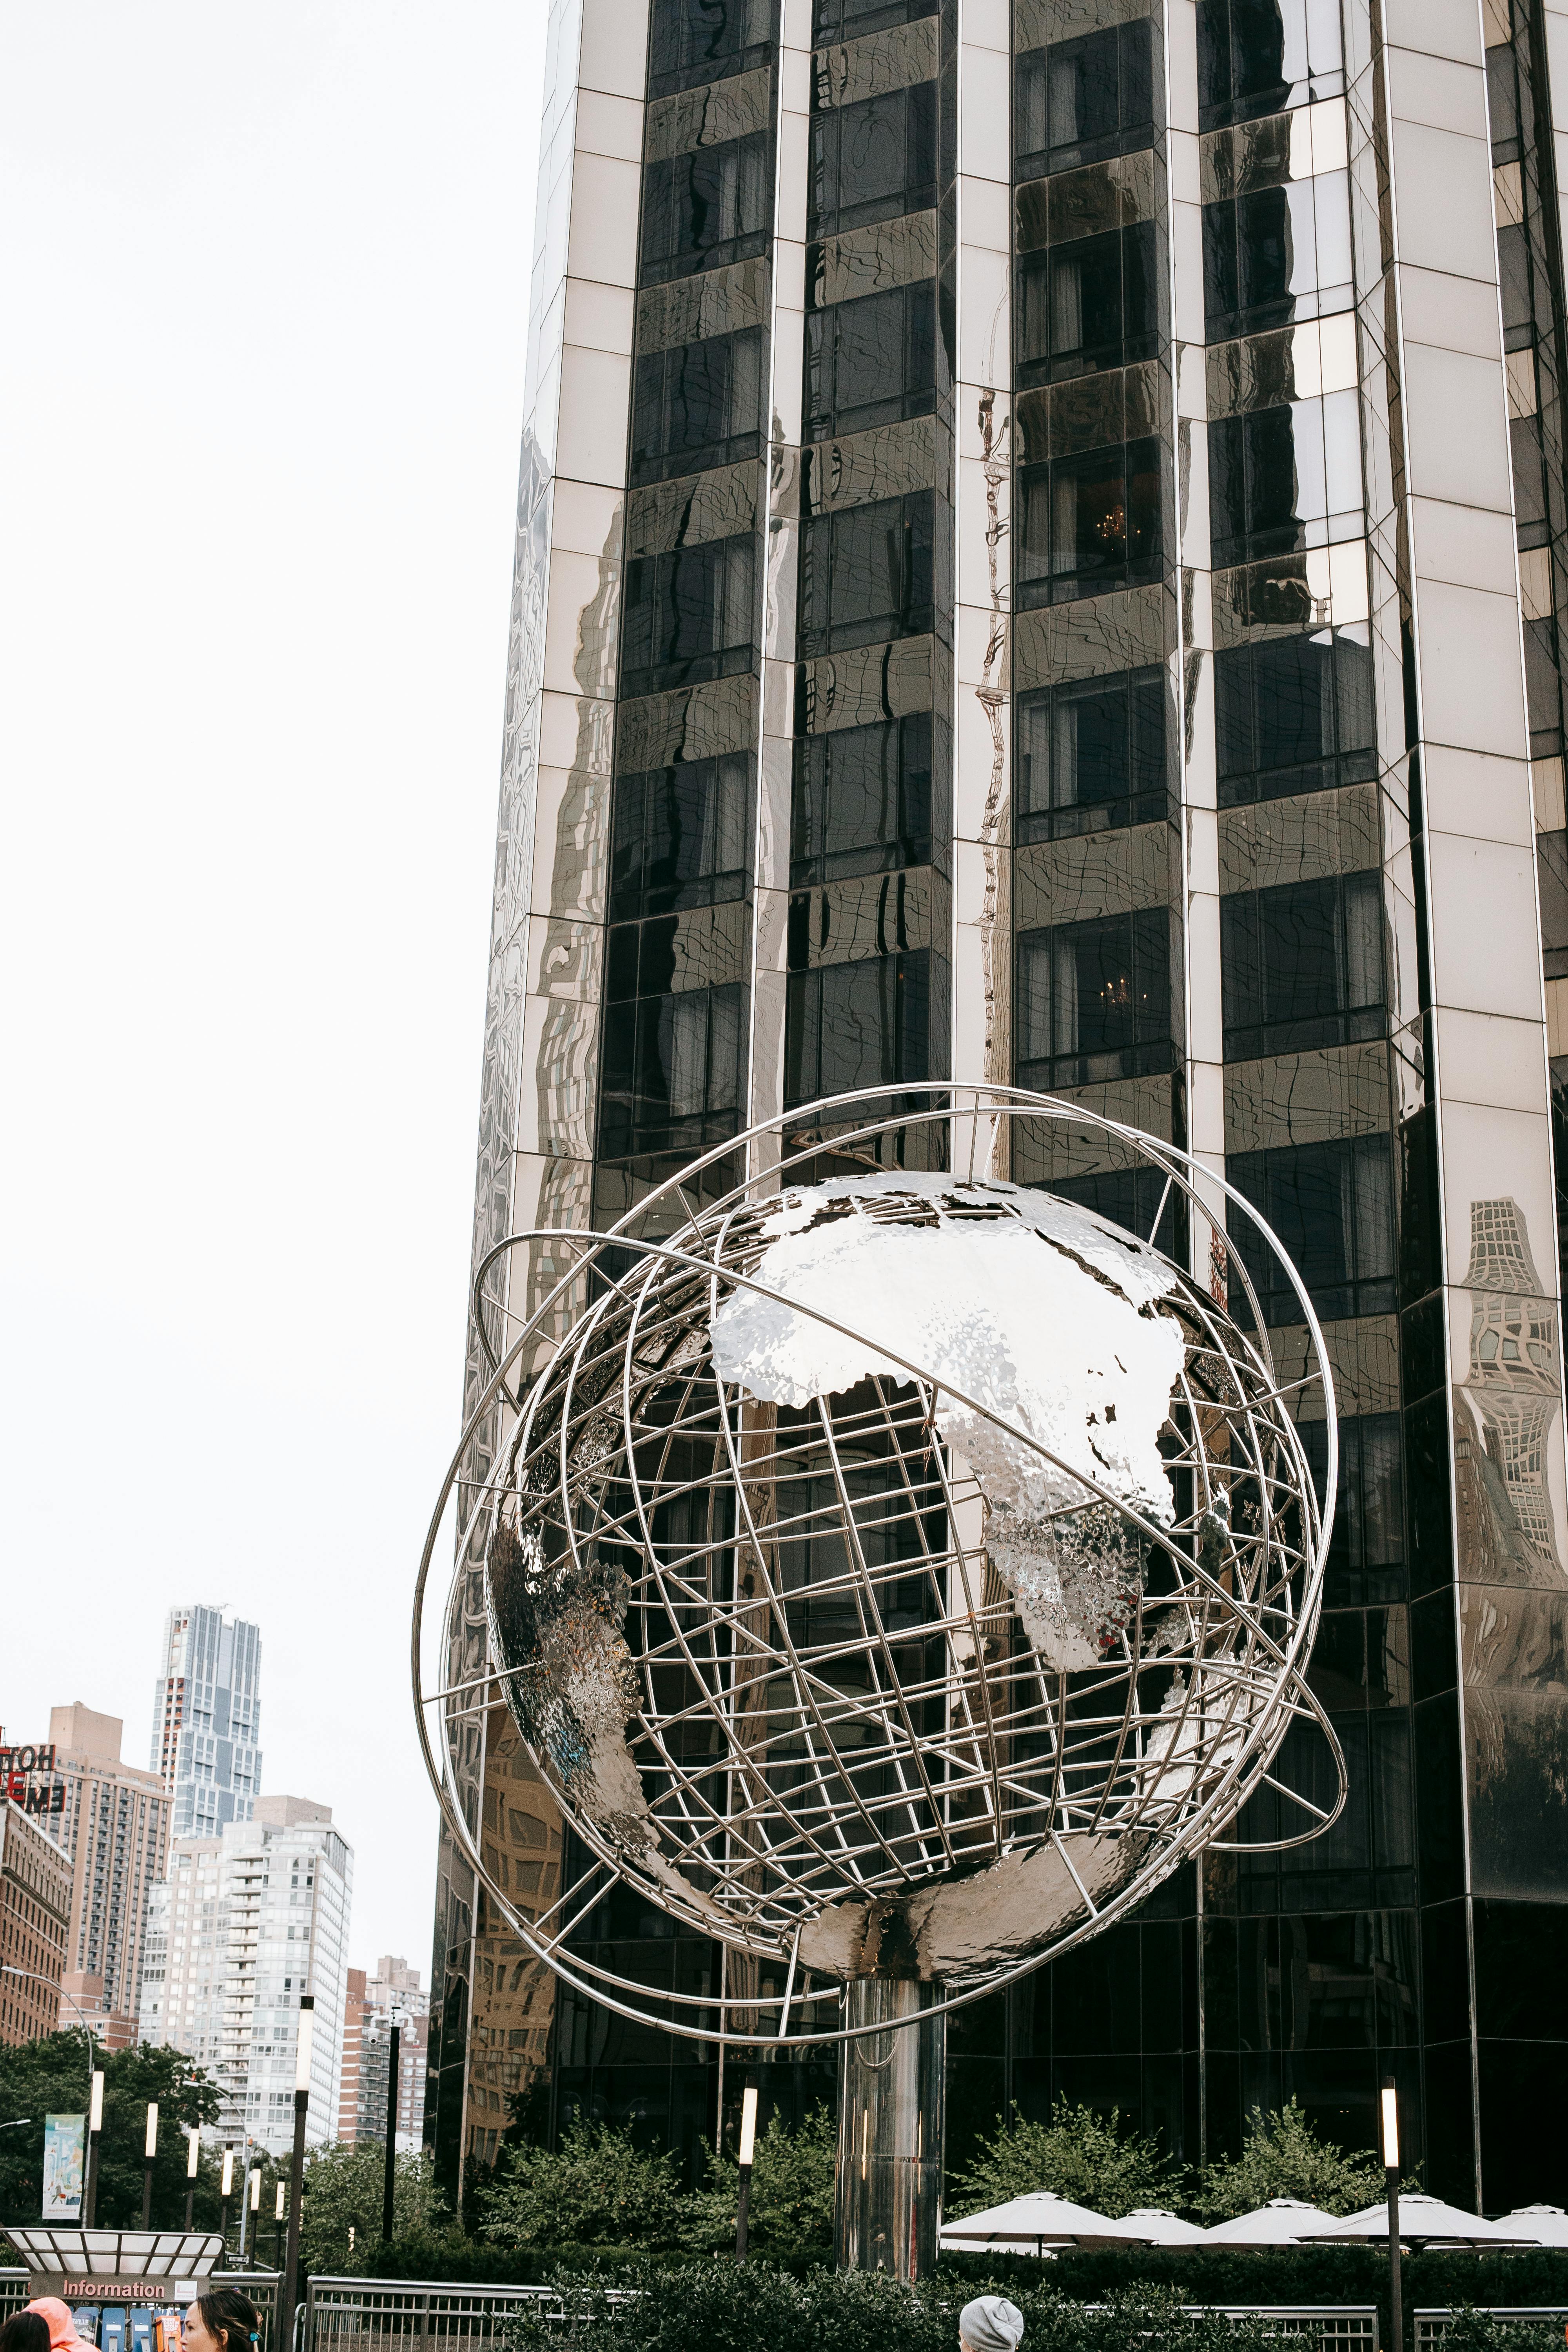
(347, 2314)
(263, 2287)
(1332, 2326)
(356, 2315)
(1433, 2325)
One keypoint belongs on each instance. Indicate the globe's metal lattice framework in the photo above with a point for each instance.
(761, 1654)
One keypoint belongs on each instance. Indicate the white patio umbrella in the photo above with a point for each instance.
(1040, 2220)
(1283, 2221)
(1543, 2225)
(1151, 2225)
(1423, 2221)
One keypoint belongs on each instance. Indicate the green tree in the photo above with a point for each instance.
(791, 2206)
(1087, 2157)
(1283, 2156)
(342, 2192)
(595, 2190)
(49, 2076)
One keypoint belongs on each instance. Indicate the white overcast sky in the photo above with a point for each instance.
(263, 299)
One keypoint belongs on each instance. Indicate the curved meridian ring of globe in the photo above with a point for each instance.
(897, 1572)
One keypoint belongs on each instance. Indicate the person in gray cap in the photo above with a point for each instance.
(990, 2324)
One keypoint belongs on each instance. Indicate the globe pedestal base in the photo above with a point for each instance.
(887, 2209)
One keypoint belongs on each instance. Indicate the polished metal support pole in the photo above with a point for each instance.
(887, 2206)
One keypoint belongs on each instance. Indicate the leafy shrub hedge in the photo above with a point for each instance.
(715, 2307)
(711, 2306)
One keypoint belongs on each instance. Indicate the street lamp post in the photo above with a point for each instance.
(254, 2203)
(297, 2168)
(94, 2126)
(389, 2176)
(747, 2149)
(225, 2193)
(1390, 2113)
(277, 2229)
(192, 2158)
(149, 2151)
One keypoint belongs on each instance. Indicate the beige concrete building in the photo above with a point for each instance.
(114, 1823)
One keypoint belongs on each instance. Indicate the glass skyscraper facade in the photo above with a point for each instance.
(1038, 561)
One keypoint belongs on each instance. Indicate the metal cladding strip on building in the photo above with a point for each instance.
(1079, 608)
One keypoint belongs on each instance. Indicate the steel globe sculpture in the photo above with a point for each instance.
(895, 1572)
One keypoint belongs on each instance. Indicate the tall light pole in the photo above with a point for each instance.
(150, 2150)
(227, 2192)
(747, 2149)
(253, 2201)
(297, 2168)
(192, 2158)
(277, 2229)
(1389, 2105)
(94, 2128)
(389, 2176)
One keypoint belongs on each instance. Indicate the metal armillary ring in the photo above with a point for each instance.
(891, 1569)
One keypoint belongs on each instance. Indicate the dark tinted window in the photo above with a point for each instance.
(1092, 753)
(871, 362)
(672, 1071)
(1253, 486)
(1502, 101)
(1286, 703)
(1248, 259)
(1090, 304)
(1331, 1205)
(1302, 965)
(874, 159)
(1094, 1000)
(1090, 523)
(856, 1025)
(692, 41)
(1513, 270)
(706, 208)
(1366, 1550)
(1241, 60)
(699, 405)
(862, 800)
(1133, 1198)
(867, 574)
(689, 615)
(1079, 102)
(680, 836)
(1551, 877)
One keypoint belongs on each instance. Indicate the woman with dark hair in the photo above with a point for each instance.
(24, 2331)
(223, 2321)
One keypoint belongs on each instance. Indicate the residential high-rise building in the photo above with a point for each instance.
(1038, 554)
(373, 2003)
(243, 1924)
(35, 1924)
(206, 1719)
(350, 2086)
